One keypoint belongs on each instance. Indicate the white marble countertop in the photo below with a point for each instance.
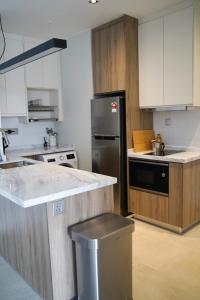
(42, 182)
(35, 150)
(183, 157)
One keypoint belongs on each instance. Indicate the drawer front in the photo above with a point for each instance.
(149, 205)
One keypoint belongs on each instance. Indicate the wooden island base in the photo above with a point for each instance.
(38, 245)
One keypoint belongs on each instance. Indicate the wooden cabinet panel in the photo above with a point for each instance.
(176, 194)
(100, 61)
(191, 193)
(178, 57)
(149, 205)
(151, 51)
(108, 44)
(184, 199)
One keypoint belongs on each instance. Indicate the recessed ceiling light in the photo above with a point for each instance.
(93, 1)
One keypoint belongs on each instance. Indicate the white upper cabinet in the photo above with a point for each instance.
(178, 57)
(42, 73)
(169, 58)
(3, 104)
(14, 104)
(34, 70)
(151, 63)
(51, 71)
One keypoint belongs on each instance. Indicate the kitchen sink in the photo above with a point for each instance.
(17, 164)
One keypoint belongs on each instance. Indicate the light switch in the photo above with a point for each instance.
(168, 122)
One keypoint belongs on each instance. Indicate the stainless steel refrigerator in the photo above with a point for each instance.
(109, 145)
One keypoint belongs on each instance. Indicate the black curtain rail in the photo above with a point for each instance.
(44, 49)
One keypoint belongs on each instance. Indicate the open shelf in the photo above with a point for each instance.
(34, 108)
(42, 105)
(42, 119)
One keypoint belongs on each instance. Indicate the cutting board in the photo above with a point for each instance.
(142, 140)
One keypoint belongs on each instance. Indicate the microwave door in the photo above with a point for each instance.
(147, 175)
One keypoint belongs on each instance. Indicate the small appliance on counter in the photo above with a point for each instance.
(158, 146)
(52, 137)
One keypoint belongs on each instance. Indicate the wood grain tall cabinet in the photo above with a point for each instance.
(115, 68)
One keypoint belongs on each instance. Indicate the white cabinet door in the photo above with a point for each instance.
(3, 104)
(51, 71)
(178, 57)
(44, 72)
(34, 71)
(151, 63)
(15, 80)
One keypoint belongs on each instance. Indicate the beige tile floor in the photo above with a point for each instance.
(166, 265)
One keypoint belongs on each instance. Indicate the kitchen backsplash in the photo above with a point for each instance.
(179, 128)
(28, 135)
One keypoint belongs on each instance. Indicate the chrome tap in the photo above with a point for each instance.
(4, 143)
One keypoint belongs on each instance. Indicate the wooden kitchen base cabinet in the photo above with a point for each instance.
(149, 205)
(181, 209)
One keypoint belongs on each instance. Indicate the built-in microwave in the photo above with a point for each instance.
(149, 175)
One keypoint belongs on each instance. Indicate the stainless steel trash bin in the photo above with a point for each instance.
(104, 257)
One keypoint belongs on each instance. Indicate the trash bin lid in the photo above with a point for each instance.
(91, 232)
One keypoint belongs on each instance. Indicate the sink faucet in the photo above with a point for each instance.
(4, 142)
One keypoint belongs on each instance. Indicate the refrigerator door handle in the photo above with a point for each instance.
(105, 137)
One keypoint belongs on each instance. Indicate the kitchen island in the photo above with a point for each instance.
(34, 236)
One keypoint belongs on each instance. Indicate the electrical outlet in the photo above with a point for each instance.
(168, 122)
(58, 207)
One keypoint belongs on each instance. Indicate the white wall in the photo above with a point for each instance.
(76, 73)
(30, 134)
(184, 129)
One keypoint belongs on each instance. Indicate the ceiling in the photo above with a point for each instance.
(65, 18)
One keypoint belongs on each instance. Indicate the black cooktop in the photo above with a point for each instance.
(167, 152)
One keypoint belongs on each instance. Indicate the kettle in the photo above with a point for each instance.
(158, 146)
